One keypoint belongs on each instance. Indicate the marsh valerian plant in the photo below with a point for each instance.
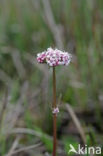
(54, 57)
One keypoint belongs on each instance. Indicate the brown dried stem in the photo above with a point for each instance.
(54, 115)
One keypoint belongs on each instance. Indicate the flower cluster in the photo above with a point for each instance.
(54, 57)
(55, 110)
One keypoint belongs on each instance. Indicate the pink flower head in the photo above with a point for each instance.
(55, 110)
(54, 57)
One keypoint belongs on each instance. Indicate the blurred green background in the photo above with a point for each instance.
(28, 27)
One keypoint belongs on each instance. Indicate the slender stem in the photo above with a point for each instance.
(54, 115)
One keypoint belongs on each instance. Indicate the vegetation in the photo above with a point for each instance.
(29, 27)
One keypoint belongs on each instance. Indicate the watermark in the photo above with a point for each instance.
(84, 149)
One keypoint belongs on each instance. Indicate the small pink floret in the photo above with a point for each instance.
(55, 110)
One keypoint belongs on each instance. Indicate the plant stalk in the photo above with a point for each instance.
(54, 115)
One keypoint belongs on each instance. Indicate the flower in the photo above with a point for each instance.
(54, 57)
(41, 57)
(55, 110)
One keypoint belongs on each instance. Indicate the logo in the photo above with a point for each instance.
(84, 150)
